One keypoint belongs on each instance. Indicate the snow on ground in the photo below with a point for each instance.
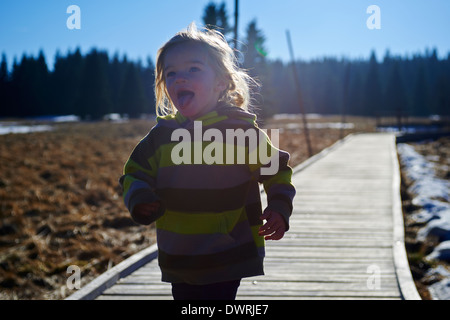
(431, 194)
(297, 127)
(64, 118)
(6, 128)
(295, 116)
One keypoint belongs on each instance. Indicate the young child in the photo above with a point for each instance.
(208, 214)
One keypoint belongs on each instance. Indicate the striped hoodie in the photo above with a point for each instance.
(207, 227)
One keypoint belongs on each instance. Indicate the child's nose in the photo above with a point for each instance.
(181, 77)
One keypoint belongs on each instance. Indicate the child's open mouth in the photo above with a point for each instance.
(184, 98)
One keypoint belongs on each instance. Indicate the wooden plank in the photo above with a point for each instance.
(283, 289)
(388, 278)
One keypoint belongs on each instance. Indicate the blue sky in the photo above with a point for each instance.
(138, 28)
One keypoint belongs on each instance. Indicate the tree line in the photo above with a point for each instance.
(409, 87)
(89, 86)
(96, 84)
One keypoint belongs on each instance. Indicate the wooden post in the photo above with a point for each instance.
(345, 100)
(236, 14)
(299, 95)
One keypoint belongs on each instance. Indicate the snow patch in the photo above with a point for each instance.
(6, 128)
(432, 195)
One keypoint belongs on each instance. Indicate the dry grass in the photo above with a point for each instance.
(60, 205)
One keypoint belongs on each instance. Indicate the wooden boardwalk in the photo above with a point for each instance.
(345, 241)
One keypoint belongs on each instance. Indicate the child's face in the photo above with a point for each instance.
(191, 82)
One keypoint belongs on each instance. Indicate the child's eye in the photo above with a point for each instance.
(170, 74)
(194, 69)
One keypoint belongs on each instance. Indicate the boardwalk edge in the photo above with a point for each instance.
(107, 279)
(404, 277)
(321, 154)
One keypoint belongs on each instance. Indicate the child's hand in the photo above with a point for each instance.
(274, 228)
(142, 212)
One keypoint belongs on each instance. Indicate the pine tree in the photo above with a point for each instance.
(355, 93)
(396, 103)
(116, 75)
(256, 64)
(210, 15)
(132, 95)
(421, 96)
(4, 88)
(30, 86)
(66, 83)
(41, 86)
(372, 100)
(443, 96)
(148, 79)
(216, 17)
(95, 94)
(256, 52)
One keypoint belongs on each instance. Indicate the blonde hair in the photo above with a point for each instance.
(223, 61)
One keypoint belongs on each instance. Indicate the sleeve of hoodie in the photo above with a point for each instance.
(139, 176)
(275, 174)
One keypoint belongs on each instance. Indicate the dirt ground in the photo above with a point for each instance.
(60, 202)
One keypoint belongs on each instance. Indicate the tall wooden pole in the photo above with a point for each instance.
(299, 95)
(236, 15)
(345, 100)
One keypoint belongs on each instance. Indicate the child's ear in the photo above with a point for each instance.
(222, 84)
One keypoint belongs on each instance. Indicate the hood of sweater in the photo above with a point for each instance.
(220, 113)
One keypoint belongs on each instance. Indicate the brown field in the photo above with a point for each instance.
(60, 203)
